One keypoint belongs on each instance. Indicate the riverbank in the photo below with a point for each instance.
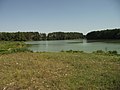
(62, 71)
(7, 47)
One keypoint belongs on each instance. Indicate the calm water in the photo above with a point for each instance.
(81, 45)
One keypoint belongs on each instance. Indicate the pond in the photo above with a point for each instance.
(81, 45)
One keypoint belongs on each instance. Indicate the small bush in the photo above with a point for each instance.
(112, 52)
(72, 51)
(106, 53)
(99, 52)
(69, 51)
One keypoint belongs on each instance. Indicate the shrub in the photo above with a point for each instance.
(113, 52)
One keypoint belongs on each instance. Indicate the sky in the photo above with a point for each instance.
(59, 15)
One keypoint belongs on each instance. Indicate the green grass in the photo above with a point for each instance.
(59, 71)
(12, 47)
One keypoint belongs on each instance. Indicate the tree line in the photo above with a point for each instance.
(64, 35)
(104, 34)
(22, 36)
(36, 36)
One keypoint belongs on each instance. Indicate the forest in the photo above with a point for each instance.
(36, 36)
(104, 34)
(22, 36)
(64, 35)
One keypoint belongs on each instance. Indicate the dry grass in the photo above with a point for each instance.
(59, 71)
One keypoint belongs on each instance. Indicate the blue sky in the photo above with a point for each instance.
(59, 15)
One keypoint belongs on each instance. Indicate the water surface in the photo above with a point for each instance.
(81, 45)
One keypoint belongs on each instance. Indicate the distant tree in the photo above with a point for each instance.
(64, 35)
(22, 36)
(36, 36)
(104, 34)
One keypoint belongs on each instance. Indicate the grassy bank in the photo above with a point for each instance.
(12, 47)
(59, 71)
